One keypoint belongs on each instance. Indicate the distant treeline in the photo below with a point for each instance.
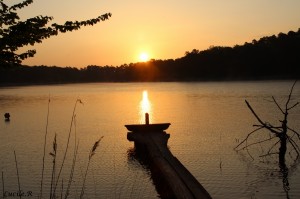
(273, 57)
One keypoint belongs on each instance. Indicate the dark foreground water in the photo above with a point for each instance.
(207, 121)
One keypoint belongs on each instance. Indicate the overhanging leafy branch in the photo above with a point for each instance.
(15, 33)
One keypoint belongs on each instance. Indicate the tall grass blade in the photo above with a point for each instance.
(91, 154)
(62, 188)
(67, 145)
(72, 171)
(53, 154)
(76, 144)
(19, 185)
(45, 141)
(3, 194)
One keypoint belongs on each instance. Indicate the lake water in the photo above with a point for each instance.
(207, 121)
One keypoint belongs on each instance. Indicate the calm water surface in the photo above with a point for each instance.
(207, 121)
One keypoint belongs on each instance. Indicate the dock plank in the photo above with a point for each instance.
(180, 182)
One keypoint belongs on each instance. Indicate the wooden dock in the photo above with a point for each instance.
(177, 181)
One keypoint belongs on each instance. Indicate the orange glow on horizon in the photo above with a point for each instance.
(143, 35)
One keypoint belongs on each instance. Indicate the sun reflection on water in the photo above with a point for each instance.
(145, 107)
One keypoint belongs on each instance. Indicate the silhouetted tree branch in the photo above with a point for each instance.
(15, 33)
(263, 124)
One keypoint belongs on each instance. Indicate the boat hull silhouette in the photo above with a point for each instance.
(147, 127)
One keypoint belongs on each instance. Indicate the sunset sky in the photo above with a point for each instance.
(161, 29)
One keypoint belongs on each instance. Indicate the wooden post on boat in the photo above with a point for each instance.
(147, 118)
(151, 140)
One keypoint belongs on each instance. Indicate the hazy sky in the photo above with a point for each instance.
(162, 28)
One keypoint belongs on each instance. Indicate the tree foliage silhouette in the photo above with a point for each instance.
(15, 33)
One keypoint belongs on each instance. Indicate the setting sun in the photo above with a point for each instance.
(144, 57)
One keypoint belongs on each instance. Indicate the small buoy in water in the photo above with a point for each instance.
(7, 116)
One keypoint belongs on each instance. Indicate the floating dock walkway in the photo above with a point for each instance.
(151, 140)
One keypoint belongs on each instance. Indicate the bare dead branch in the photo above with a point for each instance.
(267, 126)
(294, 132)
(256, 116)
(295, 146)
(248, 151)
(268, 154)
(271, 148)
(265, 140)
(280, 132)
(274, 100)
(289, 98)
(293, 106)
(245, 140)
(270, 126)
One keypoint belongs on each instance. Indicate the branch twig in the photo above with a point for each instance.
(289, 98)
(256, 143)
(294, 144)
(247, 137)
(269, 127)
(273, 146)
(294, 132)
(293, 106)
(268, 154)
(274, 100)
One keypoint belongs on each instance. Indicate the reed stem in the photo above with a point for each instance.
(3, 194)
(53, 154)
(19, 185)
(45, 142)
(91, 154)
(67, 146)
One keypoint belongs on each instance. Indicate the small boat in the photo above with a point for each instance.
(158, 127)
(147, 127)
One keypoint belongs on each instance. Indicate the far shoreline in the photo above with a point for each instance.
(25, 84)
